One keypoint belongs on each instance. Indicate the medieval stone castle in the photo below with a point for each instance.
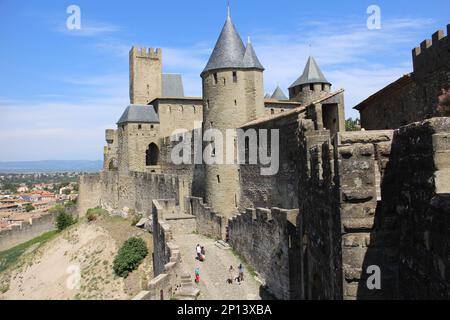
(340, 201)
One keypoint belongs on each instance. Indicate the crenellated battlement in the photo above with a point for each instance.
(432, 53)
(143, 52)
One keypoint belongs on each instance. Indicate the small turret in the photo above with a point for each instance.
(278, 94)
(311, 85)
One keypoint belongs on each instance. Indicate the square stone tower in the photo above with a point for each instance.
(145, 75)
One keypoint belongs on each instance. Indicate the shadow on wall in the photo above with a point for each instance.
(410, 240)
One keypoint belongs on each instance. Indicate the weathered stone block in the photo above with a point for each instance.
(358, 224)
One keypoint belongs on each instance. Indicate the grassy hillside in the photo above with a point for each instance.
(44, 267)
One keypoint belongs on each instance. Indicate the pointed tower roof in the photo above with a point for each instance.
(229, 49)
(278, 94)
(250, 59)
(311, 74)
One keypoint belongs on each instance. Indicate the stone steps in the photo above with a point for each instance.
(222, 245)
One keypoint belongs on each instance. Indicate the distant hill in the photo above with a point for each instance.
(50, 166)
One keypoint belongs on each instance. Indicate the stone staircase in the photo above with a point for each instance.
(222, 245)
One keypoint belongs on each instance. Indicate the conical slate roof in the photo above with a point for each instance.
(311, 74)
(278, 94)
(229, 49)
(250, 59)
(230, 52)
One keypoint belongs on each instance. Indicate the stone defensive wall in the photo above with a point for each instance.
(280, 189)
(265, 238)
(414, 221)
(135, 190)
(26, 230)
(208, 223)
(375, 199)
(169, 281)
(338, 196)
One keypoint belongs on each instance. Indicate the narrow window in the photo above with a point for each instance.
(218, 179)
(234, 76)
(235, 102)
(151, 127)
(311, 87)
(323, 86)
(139, 126)
(224, 81)
(215, 78)
(272, 111)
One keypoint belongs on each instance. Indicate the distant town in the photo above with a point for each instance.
(24, 197)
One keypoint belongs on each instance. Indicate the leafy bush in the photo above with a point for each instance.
(29, 207)
(130, 256)
(63, 220)
(93, 213)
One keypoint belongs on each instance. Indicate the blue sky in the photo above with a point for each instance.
(60, 89)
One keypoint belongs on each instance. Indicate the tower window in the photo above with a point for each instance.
(234, 76)
(151, 127)
(235, 102)
(224, 81)
(323, 86)
(311, 87)
(272, 111)
(218, 179)
(139, 126)
(152, 155)
(215, 78)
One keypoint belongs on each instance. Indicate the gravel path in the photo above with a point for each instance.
(214, 270)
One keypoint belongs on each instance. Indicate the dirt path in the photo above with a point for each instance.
(214, 270)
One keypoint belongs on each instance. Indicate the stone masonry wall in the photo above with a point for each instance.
(362, 158)
(135, 190)
(27, 230)
(208, 223)
(416, 207)
(280, 189)
(89, 192)
(318, 224)
(264, 238)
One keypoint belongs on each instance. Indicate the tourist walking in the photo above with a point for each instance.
(198, 249)
(241, 272)
(197, 275)
(230, 275)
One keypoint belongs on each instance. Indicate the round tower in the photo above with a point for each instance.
(233, 94)
(311, 85)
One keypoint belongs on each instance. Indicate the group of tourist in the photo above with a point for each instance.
(201, 253)
(239, 277)
(233, 276)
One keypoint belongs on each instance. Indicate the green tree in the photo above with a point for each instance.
(63, 220)
(352, 125)
(29, 207)
(130, 256)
